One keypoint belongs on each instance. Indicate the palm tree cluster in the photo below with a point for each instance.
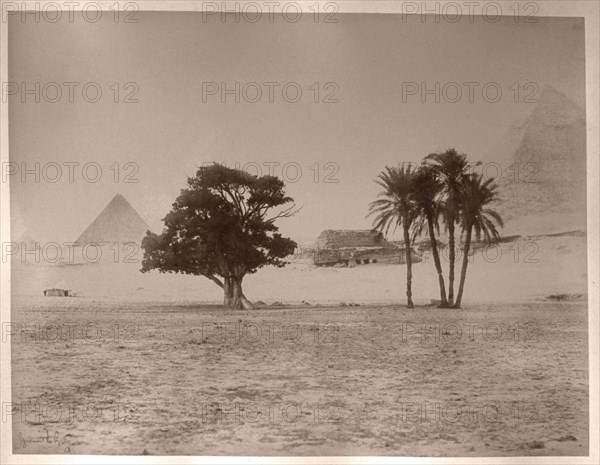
(442, 189)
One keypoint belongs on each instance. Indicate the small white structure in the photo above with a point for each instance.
(57, 292)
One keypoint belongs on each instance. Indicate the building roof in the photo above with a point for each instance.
(336, 239)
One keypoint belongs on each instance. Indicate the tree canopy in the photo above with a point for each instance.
(222, 226)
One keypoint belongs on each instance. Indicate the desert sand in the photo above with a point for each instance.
(143, 364)
(512, 382)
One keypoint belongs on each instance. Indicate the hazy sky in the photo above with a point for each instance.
(172, 130)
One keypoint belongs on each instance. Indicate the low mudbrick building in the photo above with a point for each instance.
(357, 247)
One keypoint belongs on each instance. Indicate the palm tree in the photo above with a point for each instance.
(396, 207)
(426, 189)
(450, 168)
(476, 216)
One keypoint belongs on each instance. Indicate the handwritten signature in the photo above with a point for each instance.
(55, 439)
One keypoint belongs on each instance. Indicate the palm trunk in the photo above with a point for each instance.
(408, 268)
(436, 260)
(463, 272)
(452, 260)
(239, 299)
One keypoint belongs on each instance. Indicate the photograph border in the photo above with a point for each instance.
(590, 10)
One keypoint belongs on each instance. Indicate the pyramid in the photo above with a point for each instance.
(117, 223)
(548, 194)
(26, 239)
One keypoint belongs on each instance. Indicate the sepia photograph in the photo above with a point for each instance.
(299, 232)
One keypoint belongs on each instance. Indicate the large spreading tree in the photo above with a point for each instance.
(222, 227)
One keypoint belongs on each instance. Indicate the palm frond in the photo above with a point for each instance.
(477, 194)
(395, 203)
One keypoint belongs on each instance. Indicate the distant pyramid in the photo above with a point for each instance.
(25, 240)
(118, 222)
(549, 192)
(26, 237)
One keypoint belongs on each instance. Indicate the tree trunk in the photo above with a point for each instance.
(452, 260)
(228, 292)
(239, 299)
(408, 268)
(436, 260)
(463, 272)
